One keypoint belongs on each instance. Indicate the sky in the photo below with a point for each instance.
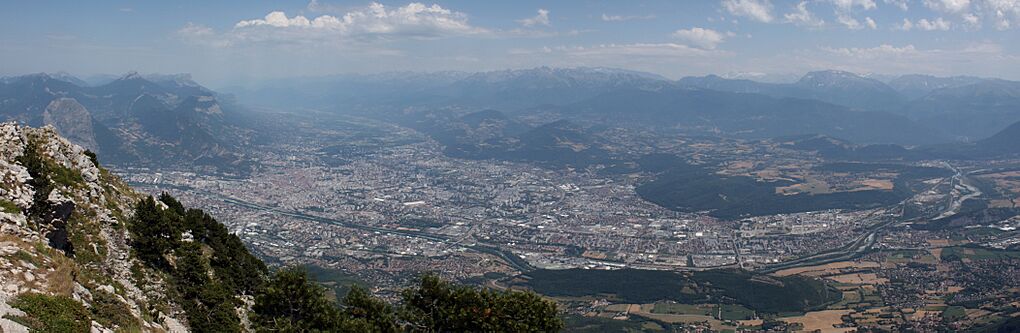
(227, 42)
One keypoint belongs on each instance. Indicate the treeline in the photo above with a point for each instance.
(187, 245)
(209, 269)
(762, 293)
(291, 302)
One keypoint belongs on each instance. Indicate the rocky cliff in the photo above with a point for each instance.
(66, 261)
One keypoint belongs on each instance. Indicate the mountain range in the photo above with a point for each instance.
(960, 108)
(928, 109)
(134, 119)
(165, 119)
(504, 90)
(1001, 144)
(746, 115)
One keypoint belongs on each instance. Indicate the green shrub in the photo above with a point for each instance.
(64, 176)
(92, 157)
(44, 313)
(9, 207)
(110, 311)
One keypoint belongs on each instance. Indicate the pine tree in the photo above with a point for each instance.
(156, 233)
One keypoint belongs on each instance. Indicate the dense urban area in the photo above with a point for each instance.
(391, 204)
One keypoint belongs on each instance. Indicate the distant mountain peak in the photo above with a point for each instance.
(782, 78)
(834, 77)
(483, 115)
(132, 75)
(917, 85)
(832, 72)
(40, 75)
(67, 77)
(566, 72)
(34, 77)
(180, 79)
(177, 119)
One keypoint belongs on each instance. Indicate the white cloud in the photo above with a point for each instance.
(280, 20)
(620, 18)
(541, 19)
(848, 21)
(845, 8)
(192, 29)
(870, 23)
(414, 21)
(1004, 12)
(848, 5)
(949, 6)
(801, 16)
(905, 26)
(936, 24)
(901, 4)
(939, 24)
(700, 37)
(316, 6)
(758, 10)
(201, 34)
(880, 51)
(1002, 24)
(972, 20)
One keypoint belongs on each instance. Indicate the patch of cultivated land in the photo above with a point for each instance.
(685, 309)
(858, 278)
(647, 311)
(875, 184)
(827, 269)
(821, 321)
(810, 185)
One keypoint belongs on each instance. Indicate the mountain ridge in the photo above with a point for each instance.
(130, 120)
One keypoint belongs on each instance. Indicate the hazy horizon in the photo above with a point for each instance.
(780, 78)
(226, 43)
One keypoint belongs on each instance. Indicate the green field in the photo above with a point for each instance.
(954, 313)
(976, 253)
(907, 256)
(684, 309)
(735, 312)
(574, 323)
(720, 311)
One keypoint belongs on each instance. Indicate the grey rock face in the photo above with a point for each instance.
(72, 121)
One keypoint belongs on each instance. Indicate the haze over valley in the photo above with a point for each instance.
(601, 193)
